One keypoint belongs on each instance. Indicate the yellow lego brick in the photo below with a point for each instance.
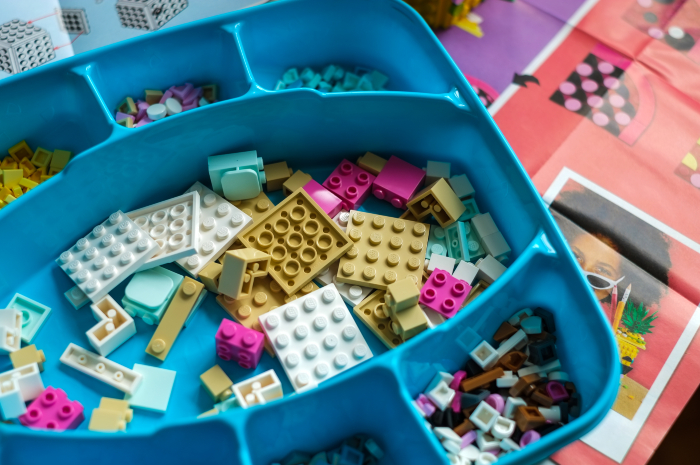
(9, 199)
(371, 162)
(42, 158)
(401, 295)
(409, 322)
(128, 106)
(295, 182)
(152, 96)
(26, 356)
(240, 268)
(43, 178)
(439, 200)
(217, 384)
(385, 250)
(10, 178)
(9, 163)
(372, 312)
(117, 405)
(174, 318)
(256, 208)
(2, 204)
(107, 421)
(300, 238)
(20, 151)
(27, 167)
(126, 122)
(59, 161)
(28, 183)
(210, 276)
(17, 191)
(4, 192)
(277, 174)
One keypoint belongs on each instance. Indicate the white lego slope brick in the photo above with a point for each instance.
(258, 390)
(219, 226)
(101, 260)
(102, 369)
(171, 224)
(351, 294)
(315, 338)
(26, 378)
(10, 330)
(114, 326)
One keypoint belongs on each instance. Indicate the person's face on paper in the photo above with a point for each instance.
(595, 256)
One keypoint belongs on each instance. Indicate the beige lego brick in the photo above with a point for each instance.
(240, 268)
(20, 151)
(372, 312)
(475, 292)
(174, 318)
(385, 250)
(408, 216)
(210, 276)
(107, 421)
(295, 182)
(277, 174)
(401, 295)
(26, 356)
(257, 207)
(371, 162)
(59, 161)
(117, 405)
(409, 322)
(128, 106)
(301, 240)
(152, 96)
(439, 200)
(217, 384)
(41, 158)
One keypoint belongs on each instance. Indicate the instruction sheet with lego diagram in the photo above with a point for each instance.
(36, 32)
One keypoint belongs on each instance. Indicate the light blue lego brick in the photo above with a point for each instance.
(197, 305)
(221, 164)
(241, 184)
(437, 243)
(456, 237)
(155, 389)
(328, 73)
(280, 85)
(150, 292)
(290, 76)
(350, 81)
(338, 88)
(471, 211)
(307, 74)
(378, 79)
(476, 250)
(34, 315)
(462, 186)
(323, 86)
(295, 84)
(339, 73)
(313, 82)
(364, 84)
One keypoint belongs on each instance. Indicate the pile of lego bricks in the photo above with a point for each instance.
(333, 78)
(356, 450)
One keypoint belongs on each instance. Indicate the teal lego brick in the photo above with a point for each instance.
(456, 237)
(150, 292)
(471, 211)
(222, 164)
(437, 243)
(34, 315)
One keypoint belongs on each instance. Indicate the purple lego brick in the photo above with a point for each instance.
(351, 183)
(236, 342)
(398, 182)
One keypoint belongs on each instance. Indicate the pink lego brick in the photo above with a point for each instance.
(143, 122)
(457, 379)
(351, 183)
(143, 107)
(190, 106)
(166, 95)
(182, 91)
(444, 293)
(236, 342)
(325, 199)
(425, 404)
(468, 438)
(192, 97)
(457, 403)
(52, 410)
(120, 116)
(397, 182)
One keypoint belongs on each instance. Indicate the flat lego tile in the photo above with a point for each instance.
(256, 208)
(371, 163)
(372, 312)
(101, 260)
(301, 239)
(397, 182)
(439, 200)
(34, 315)
(173, 225)
(240, 268)
(350, 183)
(384, 250)
(295, 182)
(155, 389)
(220, 224)
(149, 293)
(324, 342)
(276, 174)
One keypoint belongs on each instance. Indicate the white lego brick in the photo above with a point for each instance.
(351, 294)
(315, 337)
(540, 369)
(443, 432)
(11, 402)
(258, 390)
(440, 376)
(558, 376)
(484, 416)
(76, 297)
(114, 326)
(115, 249)
(433, 317)
(553, 413)
(484, 441)
(516, 342)
(507, 380)
(485, 355)
(441, 262)
(219, 226)
(503, 428)
(462, 186)
(508, 444)
(342, 218)
(441, 395)
(519, 315)
(102, 369)
(171, 224)
(28, 380)
(485, 458)
(512, 404)
(451, 446)
(10, 330)
(455, 459)
(469, 453)
(466, 271)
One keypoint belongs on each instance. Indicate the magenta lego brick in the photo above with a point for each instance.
(398, 182)
(53, 410)
(444, 293)
(327, 200)
(236, 342)
(351, 183)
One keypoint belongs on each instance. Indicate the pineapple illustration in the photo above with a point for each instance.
(630, 339)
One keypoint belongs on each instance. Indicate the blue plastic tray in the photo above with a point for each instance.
(430, 113)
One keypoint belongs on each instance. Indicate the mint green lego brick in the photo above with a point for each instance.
(484, 225)
(456, 237)
(290, 76)
(476, 250)
(149, 293)
(462, 186)
(471, 211)
(437, 244)
(296, 458)
(378, 79)
(339, 73)
(154, 392)
(307, 74)
(34, 315)
(328, 73)
(241, 184)
(338, 88)
(222, 164)
(364, 84)
(197, 305)
(280, 85)
(350, 81)
(313, 82)
(324, 86)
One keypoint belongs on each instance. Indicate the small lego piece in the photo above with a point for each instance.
(53, 410)
(351, 293)
(257, 207)
(240, 268)
(27, 168)
(372, 312)
(115, 326)
(34, 315)
(504, 331)
(11, 401)
(236, 342)
(117, 405)
(10, 330)
(436, 170)
(277, 174)
(484, 417)
(439, 200)
(441, 262)
(127, 106)
(26, 356)
(217, 384)
(295, 182)
(237, 176)
(437, 242)
(210, 275)
(150, 292)
(351, 183)
(490, 237)
(485, 355)
(528, 418)
(41, 158)
(531, 325)
(20, 151)
(517, 341)
(462, 187)
(490, 269)
(397, 182)
(11, 178)
(474, 382)
(457, 242)
(547, 319)
(258, 390)
(371, 163)
(441, 395)
(409, 322)
(324, 198)
(152, 96)
(444, 293)
(155, 389)
(100, 368)
(401, 295)
(512, 361)
(25, 379)
(542, 352)
(106, 421)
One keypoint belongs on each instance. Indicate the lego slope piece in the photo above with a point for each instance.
(237, 176)
(53, 410)
(327, 200)
(240, 268)
(256, 208)
(385, 250)
(371, 163)
(26, 356)
(258, 390)
(149, 293)
(25, 379)
(10, 330)
(114, 326)
(301, 239)
(172, 224)
(100, 368)
(372, 312)
(220, 224)
(439, 200)
(172, 322)
(315, 338)
(397, 182)
(444, 293)
(351, 183)
(351, 293)
(276, 174)
(236, 342)
(34, 315)
(101, 260)
(154, 392)
(76, 297)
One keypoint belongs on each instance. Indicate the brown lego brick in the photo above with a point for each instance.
(481, 379)
(528, 418)
(464, 427)
(295, 182)
(570, 387)
(217, 384)
(512, 361)
(523, 385)
(210, 276)
(439, 200)
(371, 162)
(277, 174)
(258, 207)
(301, 239)
(540, 396)
(505, 331)
(401, 295)
(240, 268)
(372, 312)
(385, 250)
(26, 356)
(174, 318)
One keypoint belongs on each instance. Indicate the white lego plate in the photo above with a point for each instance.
(351, 294)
